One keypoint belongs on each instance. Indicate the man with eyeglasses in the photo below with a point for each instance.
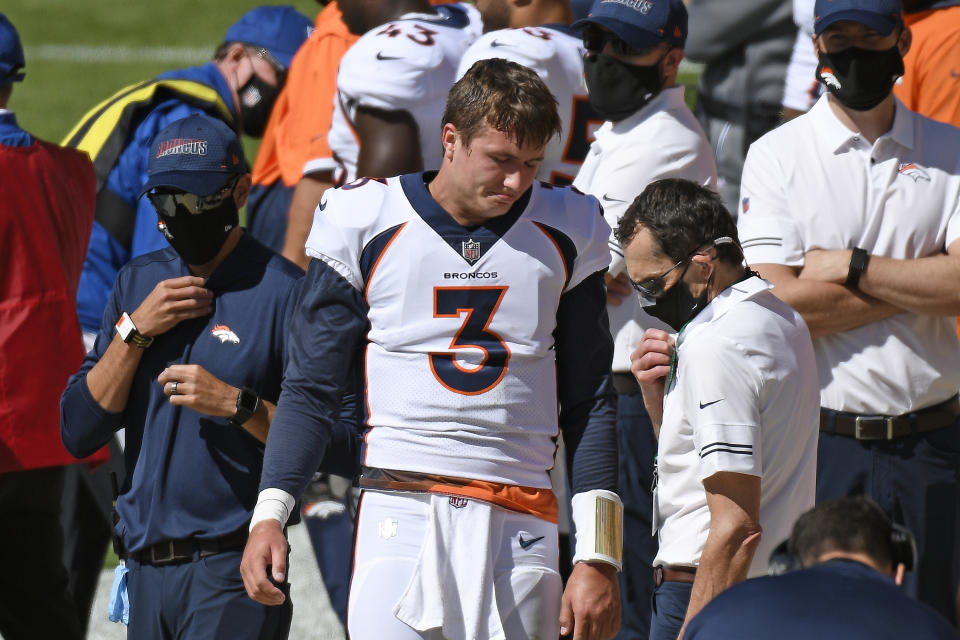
(858, 228)
(189, 359)
(633, 55)
(732, 393)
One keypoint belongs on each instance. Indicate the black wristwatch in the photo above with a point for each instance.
(858, 264)
(247, 404)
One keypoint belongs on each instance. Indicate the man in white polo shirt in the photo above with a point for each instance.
(734, 396)
(858, 228)
(633, 53)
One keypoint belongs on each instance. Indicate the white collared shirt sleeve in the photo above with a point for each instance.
(768, 232)
(723, 407)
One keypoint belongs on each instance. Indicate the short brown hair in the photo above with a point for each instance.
(507, 96)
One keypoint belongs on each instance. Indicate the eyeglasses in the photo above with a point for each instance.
(167, 203)
(652, 288)
(594, 40)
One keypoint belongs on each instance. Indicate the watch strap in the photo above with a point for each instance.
(858, 264)
(129, 334)
(247, 404)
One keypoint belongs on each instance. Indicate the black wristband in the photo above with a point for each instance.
(858, 264)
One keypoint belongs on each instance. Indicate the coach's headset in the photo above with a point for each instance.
(903, 550)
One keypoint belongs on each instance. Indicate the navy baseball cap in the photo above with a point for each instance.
(880, 15)
(279, 30)
(11, 53)
(641, 23)
(197, 154)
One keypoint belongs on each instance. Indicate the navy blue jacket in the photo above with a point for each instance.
(189, 474)
(837, 600)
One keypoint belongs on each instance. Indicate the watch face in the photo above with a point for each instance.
(247, 401)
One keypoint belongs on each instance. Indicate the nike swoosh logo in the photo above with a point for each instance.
(322, 205)
(380, 56)
(954, 74)
(609, 199)
(526, 544)
(707, 404)
(497, 43)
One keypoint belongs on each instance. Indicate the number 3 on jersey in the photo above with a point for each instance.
(479, 304)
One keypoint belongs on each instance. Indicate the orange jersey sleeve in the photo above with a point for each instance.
(931, 82)
(297, 131)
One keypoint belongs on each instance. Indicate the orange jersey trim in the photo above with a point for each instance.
(541, 503)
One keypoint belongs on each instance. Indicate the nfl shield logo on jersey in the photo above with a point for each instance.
(470, 250)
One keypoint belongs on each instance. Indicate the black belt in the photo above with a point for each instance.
(874, 427)
(625, 383)
(171, 551)
(674, 573)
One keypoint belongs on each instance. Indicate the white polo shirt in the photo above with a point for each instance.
(661, 140)
(898, 198)
(744, 400)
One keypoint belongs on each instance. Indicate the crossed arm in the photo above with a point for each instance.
(929, 286)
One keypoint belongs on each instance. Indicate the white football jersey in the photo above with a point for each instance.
(556, 54)
(460, 371)
(405, 65)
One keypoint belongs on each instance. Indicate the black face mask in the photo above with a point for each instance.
(198, 238)
(256, 101)
(617, 89)
(677, 306)
(860, 78)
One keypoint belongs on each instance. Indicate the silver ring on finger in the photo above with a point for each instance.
(173, 387)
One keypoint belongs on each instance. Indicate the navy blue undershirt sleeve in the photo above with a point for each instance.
(323, 345)
(85, 426)
(588, 402)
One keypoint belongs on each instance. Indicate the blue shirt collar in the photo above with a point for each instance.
(11, 135)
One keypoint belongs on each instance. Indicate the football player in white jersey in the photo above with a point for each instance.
(537, 34)
(471, 300)
(392, 85)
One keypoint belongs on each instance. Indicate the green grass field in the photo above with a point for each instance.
(79, 53)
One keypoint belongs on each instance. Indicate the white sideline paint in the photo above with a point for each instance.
(91, 54)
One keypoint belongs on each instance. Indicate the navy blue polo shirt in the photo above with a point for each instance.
(837, 600)
(190, 475)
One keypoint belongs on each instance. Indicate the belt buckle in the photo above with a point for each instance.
(162, 559)
(658, 575)
(861, 423)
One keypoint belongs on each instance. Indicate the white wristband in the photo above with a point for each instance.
(598, 519)
(273, 504)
